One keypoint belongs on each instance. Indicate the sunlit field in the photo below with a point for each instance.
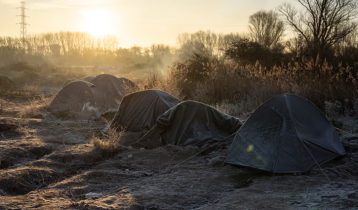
(251, 111)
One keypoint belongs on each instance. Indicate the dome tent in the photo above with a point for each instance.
(86, 79)
(108, 90)
(127, 83)
(190, 123)
(286, 134)
(71, 99)
(139, 111)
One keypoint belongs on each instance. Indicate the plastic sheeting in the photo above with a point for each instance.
(287, 134)
(190, 123)
(138, 111)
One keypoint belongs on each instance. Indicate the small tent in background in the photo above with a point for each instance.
(190, 123)
(128, 84)
(287, 134)
(108, 91)
(139, 111)
(86, 79)
(70, 99)
(6, 84)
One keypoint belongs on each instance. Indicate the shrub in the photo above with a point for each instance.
(109, 146)
(187, 74)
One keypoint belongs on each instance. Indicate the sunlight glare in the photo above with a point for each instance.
(97, 22)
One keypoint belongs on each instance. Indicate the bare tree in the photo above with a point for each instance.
(266, 28)
(321, 23)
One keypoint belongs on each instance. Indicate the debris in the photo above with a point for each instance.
(92, 195)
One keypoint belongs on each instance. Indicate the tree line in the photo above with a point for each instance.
(320, 30)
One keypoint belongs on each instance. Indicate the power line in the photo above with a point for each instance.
(23, 23)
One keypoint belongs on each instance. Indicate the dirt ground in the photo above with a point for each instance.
(51, 164)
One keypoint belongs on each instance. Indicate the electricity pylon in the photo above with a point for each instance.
(23, 23)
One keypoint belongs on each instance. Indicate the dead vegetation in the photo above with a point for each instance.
(108, 145)
(36, 108)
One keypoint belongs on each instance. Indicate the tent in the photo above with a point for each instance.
(70, 99)
(190, 123)
(126, 83)
(108, 91)
(139, 111)
(286, 134)
(86, 79)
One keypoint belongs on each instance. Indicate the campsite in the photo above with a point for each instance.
(176, 105)
(162, 153)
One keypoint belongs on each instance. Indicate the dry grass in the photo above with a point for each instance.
(36, 108)
(155, 81)
(109, 146)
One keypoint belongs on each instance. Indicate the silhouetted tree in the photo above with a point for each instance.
(245, 52)
(266, 28)
(321, 23)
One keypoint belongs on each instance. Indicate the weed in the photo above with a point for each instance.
(36, 108)
(109, 146)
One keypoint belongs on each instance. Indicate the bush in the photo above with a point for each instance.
(187, 74)
(109, 146)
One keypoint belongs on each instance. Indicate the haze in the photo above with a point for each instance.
(137, 22)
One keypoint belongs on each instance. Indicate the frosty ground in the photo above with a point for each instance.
(47, 163)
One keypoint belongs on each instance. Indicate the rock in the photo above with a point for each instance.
(92, 195)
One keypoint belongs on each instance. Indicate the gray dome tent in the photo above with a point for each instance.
(286, 134)
(70, 100)
(86, 79)
(190, 123)
(139, 111)
(109, 89)
(124, 82)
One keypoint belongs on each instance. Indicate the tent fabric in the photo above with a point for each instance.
(190, 123)
(108, 90)
(70, 99)
(139, 111)
(86, 79)
(124, 82)
(286, 134)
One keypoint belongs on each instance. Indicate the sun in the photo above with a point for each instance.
(97, 22)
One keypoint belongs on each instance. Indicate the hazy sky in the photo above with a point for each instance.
(135, 22)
